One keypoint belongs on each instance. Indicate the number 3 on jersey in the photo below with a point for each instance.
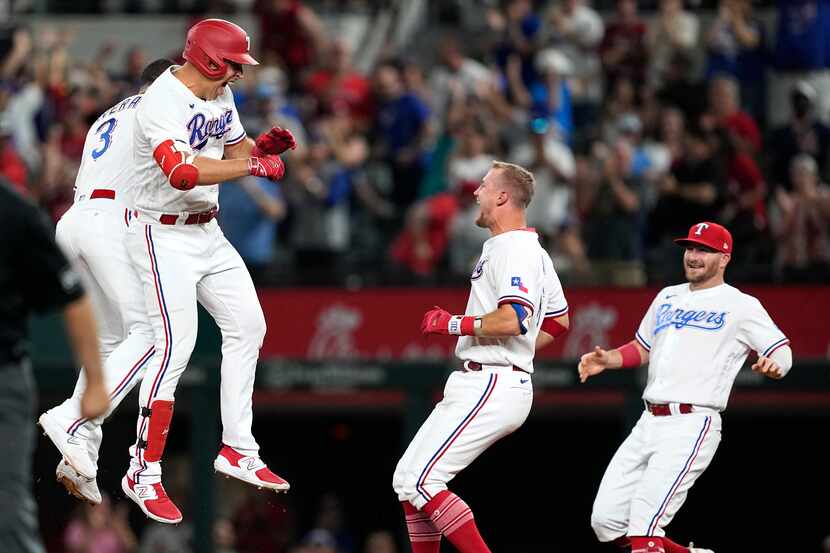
(104, 130)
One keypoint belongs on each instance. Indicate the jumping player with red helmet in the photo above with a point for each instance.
(188, 138)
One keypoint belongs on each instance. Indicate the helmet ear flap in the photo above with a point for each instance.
(209, 67)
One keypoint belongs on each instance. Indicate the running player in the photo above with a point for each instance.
(695, 338)
(516, 306)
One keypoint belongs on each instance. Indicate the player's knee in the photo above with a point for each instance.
(403, 482)
(256, 327)
(605, 525)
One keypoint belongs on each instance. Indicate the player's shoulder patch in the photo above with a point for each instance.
(478, 270)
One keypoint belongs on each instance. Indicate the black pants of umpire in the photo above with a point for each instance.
(18, 512)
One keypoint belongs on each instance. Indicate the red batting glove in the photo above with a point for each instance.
(271, 167)
(436, 321)
(440, 321)
(274, 142)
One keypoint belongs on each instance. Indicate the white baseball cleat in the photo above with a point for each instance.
(250, 469)
(85, 489)
(72, 447)
(153, 500)
(693, 549)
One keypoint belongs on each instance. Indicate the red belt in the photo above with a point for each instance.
(664, 409)
(102, 193)
(192, 218)
(473, 366)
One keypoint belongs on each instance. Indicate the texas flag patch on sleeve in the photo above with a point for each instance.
(517, 282)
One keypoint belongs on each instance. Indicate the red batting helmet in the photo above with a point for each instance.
(212, 42)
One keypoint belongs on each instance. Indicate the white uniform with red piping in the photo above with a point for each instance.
(697, 342)
(92, 233)
(492, 397)
(183, 258)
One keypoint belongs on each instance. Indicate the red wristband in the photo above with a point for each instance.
(468, 326)
(630, 356)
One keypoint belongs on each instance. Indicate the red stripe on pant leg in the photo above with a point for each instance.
(423, 478)
(707, 425)
(116, 390)
(167, 346)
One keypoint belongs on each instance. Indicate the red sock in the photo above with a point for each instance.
(423, 535)
(454, 520)
(647, 544)
(672, 547)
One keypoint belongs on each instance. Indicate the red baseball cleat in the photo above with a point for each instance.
(250, 469)
(153, 500)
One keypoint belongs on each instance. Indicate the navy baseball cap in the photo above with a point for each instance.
(711, 235)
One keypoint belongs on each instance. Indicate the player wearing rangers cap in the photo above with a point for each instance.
(516, 306)
(695, 338)
(188, 138)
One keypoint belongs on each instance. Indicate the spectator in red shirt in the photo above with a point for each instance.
(337, 87)
(725, 112)
(623, 49)
(291, 31)
(423, 243)
(12, 167)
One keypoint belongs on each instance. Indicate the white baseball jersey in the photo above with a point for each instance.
(513, 268)
(698, 341)
(170, 111)
(108, 153)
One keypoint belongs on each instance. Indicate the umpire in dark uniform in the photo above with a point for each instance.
(34, 277)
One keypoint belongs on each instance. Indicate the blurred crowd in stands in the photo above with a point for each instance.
(635, 125)
(252, 522)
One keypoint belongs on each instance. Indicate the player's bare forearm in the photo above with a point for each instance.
(543, 340)
(501, 323)
(242, 150)
(81, 329)
(213, 171)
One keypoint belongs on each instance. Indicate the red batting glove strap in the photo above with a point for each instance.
(630, 356)
(274, 142)
(462, 325)
(270, 167)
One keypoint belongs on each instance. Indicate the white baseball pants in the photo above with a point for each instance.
(478, 409)
(92, 234)
(180, 265)
(651, 473)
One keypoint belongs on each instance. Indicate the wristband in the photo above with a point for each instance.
(461, 325)
(630, 356)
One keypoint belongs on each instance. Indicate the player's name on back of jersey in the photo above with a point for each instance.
(127, 103)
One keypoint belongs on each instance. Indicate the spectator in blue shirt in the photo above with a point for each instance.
(400, 134)
(736, 46)
(802, 52)
(251, 207)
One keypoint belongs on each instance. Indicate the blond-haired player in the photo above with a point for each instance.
(516, 306)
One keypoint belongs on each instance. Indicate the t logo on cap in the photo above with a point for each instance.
(711, 235)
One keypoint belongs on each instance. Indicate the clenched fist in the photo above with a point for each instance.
(274, 142)
(436, 321)
(271, 167)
